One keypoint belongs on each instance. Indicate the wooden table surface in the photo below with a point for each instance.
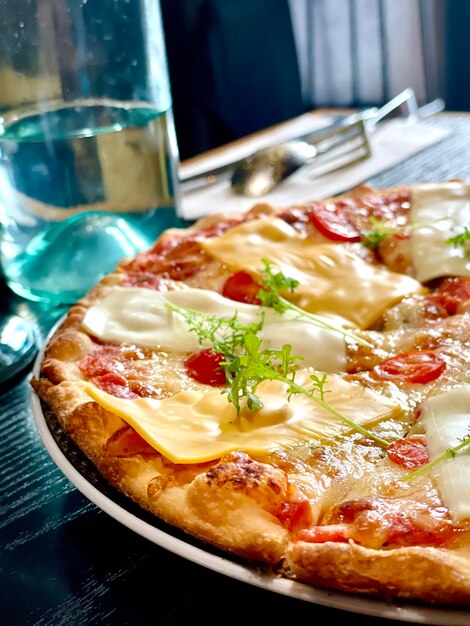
(65, 561)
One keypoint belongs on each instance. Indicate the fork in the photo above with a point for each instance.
(267, 168)
(224, 173)
(343, 143)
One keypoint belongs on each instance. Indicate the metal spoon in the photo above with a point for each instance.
(267, 168)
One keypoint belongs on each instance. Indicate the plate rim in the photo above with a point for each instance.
(354, 603)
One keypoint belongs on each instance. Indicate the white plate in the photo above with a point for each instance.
(348, 602)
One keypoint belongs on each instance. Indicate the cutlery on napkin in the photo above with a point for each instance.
(391, 144)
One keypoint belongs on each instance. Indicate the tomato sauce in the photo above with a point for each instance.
(378, 523)
(113, 369)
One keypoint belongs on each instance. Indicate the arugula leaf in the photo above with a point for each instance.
(460, 239)
(253, 365)
(246, 365)
(272, 284)
(381, 229)
(225, 335)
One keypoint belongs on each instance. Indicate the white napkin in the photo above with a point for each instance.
(391, 144)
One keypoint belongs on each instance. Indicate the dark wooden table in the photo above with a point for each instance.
(65, 561)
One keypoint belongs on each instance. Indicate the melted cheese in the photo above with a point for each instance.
(198, 426)
(440, 211)
(140, 317)
(446, 420)
(332, 279)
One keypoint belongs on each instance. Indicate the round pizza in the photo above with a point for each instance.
(291, 386)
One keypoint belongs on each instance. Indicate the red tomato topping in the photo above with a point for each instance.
(114, 384)
(437, 306)
(456, 290)
(177, 259)
(447, 297)
(331, 220)
(321, 534)
(295, 515)
(241, 287)
(409, 452)
(204, 367)
(412, 367)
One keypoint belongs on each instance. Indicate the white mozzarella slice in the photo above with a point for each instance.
(140, 317)
(439, 212)
(446, 421)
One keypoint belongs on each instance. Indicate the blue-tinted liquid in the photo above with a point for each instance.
(82, 187)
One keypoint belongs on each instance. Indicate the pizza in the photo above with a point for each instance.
(290, 386)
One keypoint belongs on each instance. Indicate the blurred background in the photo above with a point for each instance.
(237, 66)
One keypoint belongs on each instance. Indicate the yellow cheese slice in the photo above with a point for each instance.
(332, 279)
(197, 426)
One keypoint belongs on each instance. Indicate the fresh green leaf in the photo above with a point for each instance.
(246, 371)
(379, 231)
(272, 284)
(224, 335)
(460, 239)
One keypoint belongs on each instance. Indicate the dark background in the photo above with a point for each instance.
(226, 59)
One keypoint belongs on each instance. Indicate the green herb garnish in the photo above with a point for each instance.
(253, 365)
(272, 284)
(448, 454)
(460, 239)
(225, 335)
(246, 364)
(380, 229)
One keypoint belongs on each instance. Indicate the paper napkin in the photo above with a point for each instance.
(391, 144)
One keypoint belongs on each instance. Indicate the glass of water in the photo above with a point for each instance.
(88, 154)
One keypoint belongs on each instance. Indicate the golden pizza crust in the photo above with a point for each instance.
(232, 504)
(431, 574)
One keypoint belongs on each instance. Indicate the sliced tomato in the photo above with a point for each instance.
(331, 220)
(241, 287)
(456, 290)
(436, 306)
(176, 259)
(295, 515)
(445, 300)
(419, 366)
(408, 452)
(321, 534)
(204, 366)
